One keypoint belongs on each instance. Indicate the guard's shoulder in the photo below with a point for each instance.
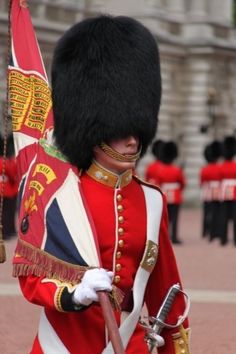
(147, 184)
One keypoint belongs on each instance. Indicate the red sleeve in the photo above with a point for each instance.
(164, 275)
(11, 170)
(37, 292)
(204, 175)
(152, 174)
(49, 293)
(201, 178)
(182, 178)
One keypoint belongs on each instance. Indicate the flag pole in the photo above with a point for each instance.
(110, 321)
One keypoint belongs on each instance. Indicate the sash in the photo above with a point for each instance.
(154, 206)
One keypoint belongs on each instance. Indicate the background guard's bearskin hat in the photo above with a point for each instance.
(213, 151)
(156, 148)
(168, 152)
(229, 147)
(207, 153)
(216, 150)
(105, 85)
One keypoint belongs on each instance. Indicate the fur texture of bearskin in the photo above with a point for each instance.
(106, 85)
(156, 148)
(213, 151)
(168, 152)
(229, 147)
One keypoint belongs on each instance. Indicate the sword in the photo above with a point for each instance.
(158, 322)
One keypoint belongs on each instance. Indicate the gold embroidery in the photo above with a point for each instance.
(150, 256)
(108, 178)
(46, 171)
(181, 341)
(36, 185)
(57, 299)
(30, 100)
(30, 204)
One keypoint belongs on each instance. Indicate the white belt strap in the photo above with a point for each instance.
(154, 206)
(170, 186)
(228, 183)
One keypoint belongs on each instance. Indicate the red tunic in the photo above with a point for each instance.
(170, 178)
(119, 215)
(152, 172)
(10, 177)
(228, 173)
(210, 180)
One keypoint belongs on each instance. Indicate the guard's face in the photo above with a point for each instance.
(127, 146)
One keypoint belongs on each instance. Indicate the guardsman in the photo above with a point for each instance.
(210, 181)
(10, 188)
(86, 223)
(152, 170)
(171, 179)
(228, 189)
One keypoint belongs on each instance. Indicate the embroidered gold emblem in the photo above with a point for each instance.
(30, 100)
(36, 185)
(30, 204)
(150, 256)
(46, 171)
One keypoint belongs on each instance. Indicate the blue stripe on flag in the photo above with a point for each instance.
(59, 242)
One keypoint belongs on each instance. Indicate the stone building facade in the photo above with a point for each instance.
(197, 44)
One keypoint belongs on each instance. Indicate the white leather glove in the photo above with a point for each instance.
(93, 280)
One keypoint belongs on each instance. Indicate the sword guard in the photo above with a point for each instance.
(155, 324)
(156, 340)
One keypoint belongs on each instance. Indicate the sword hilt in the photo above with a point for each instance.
(158, 322)
(167, 303)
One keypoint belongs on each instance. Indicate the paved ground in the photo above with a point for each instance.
(209, 275)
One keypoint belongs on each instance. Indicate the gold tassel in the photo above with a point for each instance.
(2, 251)
(116, 297)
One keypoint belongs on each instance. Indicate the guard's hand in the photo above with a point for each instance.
(93, 280)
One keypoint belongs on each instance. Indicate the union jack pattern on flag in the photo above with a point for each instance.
(50, 196)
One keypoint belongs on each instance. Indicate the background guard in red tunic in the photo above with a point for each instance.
(10, 188)
(86, 223)
(228, 189)
(152, 170)
(170, 178)
(210, 181)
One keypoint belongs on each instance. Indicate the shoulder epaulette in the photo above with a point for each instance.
(145, 183)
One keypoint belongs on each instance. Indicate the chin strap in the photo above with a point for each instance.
(120, 157)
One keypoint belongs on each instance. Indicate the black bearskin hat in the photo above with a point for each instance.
(207, 153)
(213, 151)
(168, 152)
(216, 150)
(229, 147)
(156, 147)
(106, 85)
